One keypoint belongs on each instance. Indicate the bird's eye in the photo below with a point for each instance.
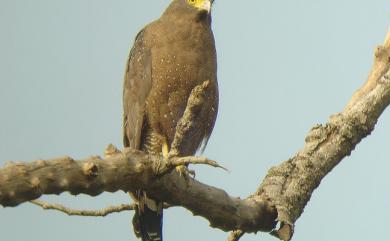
(192, 1)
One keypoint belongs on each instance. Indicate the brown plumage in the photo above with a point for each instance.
(169, 58)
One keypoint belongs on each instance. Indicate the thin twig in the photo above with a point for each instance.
(195, 160)
(173, 162)
(94, 213)
(91, 213)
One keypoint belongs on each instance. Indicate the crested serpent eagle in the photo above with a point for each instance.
(169, 58)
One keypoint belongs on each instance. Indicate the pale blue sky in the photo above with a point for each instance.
(284, 66)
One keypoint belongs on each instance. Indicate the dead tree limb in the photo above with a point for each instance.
(291, 184)
(128, 171)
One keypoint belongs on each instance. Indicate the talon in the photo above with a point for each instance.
(181, 170)
(191, 173)
(185, 172)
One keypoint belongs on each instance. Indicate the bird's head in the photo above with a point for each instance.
(201, 8)
(200, 5)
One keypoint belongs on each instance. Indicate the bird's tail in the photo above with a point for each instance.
(148, 219)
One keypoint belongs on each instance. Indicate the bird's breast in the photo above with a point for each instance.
(176, 70)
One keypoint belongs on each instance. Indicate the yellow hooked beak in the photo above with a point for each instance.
(205, 5)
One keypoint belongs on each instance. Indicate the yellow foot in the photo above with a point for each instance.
(159, 165)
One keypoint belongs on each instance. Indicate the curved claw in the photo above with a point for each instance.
(185, 172)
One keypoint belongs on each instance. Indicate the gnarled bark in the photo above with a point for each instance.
(128, 171)
(291, 184)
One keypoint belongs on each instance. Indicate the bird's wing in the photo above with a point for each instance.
(136, 87)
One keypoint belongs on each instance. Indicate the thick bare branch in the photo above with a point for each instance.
(291, 184)
(189, 122)
(129, 171)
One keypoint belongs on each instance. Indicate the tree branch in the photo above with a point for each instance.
(291, 184)
(131, 170)
(190, 122)
(93, 213)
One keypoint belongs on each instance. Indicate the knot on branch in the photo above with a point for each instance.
(90, 170)
(382, 54)
(111, 150)
(317, 136)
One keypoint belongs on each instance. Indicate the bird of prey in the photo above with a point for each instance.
(170, 56)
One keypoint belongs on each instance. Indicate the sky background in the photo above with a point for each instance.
(283, 67)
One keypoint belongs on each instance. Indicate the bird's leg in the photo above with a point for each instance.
(167, 155)
(164, 150)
